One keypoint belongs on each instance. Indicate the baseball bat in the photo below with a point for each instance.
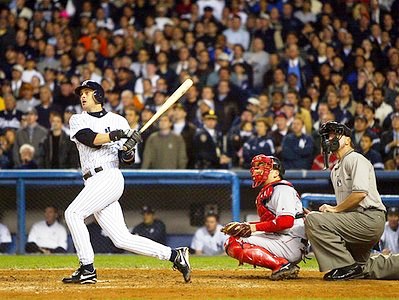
(182, 89)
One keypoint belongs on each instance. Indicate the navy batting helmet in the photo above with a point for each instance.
(95, 87)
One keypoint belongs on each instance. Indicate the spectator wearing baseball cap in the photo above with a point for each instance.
(16, 79)
(151, 227)
(209, 144)
(389, 242)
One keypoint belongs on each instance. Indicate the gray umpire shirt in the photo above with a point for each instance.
(354, 173)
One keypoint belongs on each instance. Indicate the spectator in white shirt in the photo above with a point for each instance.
(209, 240)
(382, 109)
(236, 34)
(47, 236)
(5, 238)
(389, 242)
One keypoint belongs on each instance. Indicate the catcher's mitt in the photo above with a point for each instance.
(237, 229)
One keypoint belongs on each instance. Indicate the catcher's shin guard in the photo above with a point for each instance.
(253, 255)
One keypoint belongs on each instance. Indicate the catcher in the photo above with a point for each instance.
(277, 241)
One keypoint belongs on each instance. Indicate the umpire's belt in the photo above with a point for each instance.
(89, 174)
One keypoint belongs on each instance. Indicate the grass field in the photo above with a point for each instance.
(121, 261)
(138, 277)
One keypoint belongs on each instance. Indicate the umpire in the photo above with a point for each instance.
(343, 235)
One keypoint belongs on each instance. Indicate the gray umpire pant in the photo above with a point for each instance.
(341, 239)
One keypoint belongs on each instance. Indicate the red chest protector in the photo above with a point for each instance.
(264, 196)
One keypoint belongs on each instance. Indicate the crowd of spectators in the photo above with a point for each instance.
(266, 73)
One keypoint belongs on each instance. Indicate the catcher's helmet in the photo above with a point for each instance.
(94, 86)
(265, 164)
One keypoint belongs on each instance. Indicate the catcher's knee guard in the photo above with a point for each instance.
(253, 255)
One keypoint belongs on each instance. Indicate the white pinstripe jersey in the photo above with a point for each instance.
(91, 158)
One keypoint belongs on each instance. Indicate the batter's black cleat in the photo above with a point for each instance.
(288, 271)
(354, 271)
(182, 263)
(82, 276)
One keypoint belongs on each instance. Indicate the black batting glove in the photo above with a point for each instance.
(116, 135)
(136, 136)
(129, 145)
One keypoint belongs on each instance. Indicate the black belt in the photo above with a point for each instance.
(88, 174)
(371, 208)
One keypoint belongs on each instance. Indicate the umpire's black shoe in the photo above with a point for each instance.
(182, 263)
(288, 271)
(349, 272)
(82, 276)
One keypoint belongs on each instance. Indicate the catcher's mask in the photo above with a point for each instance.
(261, 165)
(329, 145)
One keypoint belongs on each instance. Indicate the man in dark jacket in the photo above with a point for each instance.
(151, 228)
(208, 145)
(261, 143)
(186, 129)
(58, 151)
(297, 148)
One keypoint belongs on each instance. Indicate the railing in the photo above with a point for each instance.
(41, 178)
(308, 198)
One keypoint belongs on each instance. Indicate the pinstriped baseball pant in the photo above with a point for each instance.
(100, 197)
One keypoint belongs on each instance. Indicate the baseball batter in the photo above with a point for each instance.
(343, 235)
(99, 136)
(277, 241)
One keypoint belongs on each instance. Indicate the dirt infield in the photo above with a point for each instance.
(166, 284)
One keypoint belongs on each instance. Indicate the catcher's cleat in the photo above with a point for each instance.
(288, 271)
(81, 276)
(182, 263)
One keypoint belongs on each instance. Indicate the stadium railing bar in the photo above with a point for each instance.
(309, 199)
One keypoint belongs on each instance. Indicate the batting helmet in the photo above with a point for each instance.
(95, 87)
(264, 164)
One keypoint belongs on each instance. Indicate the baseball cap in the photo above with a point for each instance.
(210, 115)
(253, 101)
(289, 104)
(206, 102)
(66, 81)
(18, 68)
(180, 106)
(223, 56)
(70, 109)
(361, 117)
(150, 108)
(395, 115)
(280, 114)
(31, 110)
(393, 211)
(146, 209)
(264, 16)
